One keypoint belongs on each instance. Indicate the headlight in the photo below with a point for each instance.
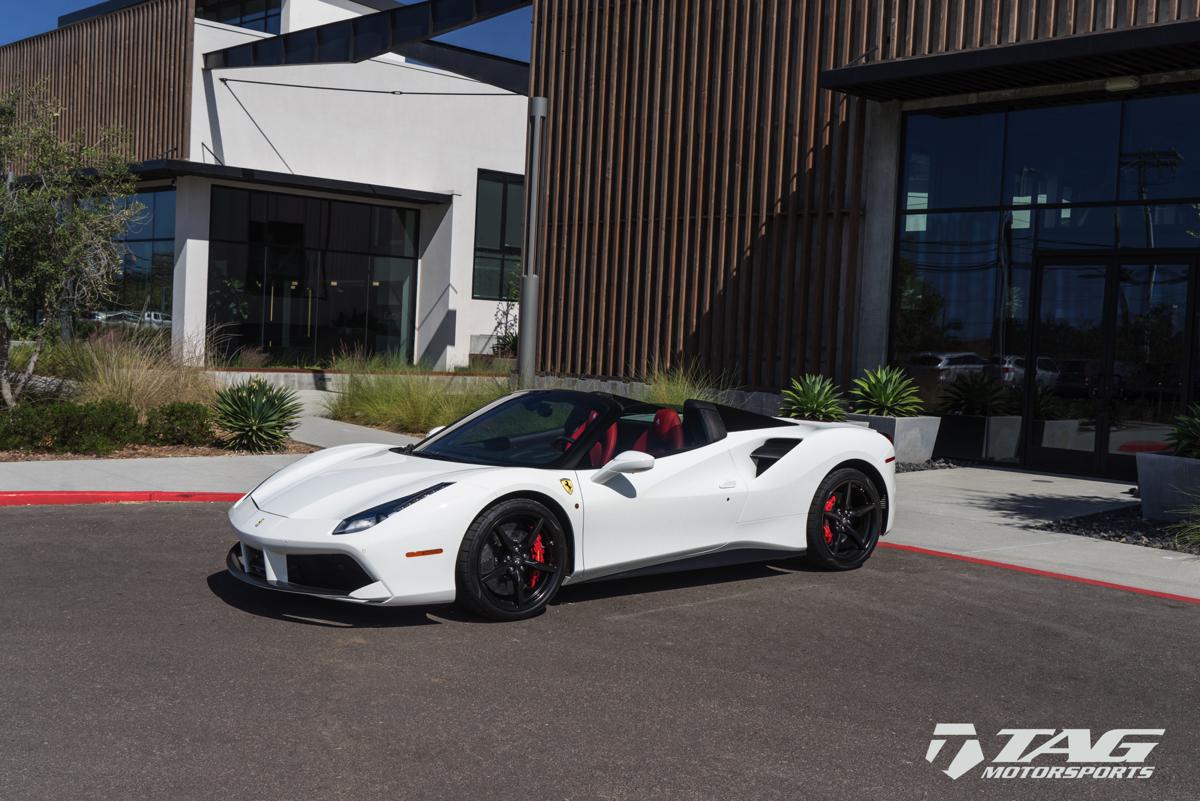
(377, 514)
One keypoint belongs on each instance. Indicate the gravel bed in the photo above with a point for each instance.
(932, 464)
(1120, 525)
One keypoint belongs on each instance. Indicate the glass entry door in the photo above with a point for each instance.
(1109, 340)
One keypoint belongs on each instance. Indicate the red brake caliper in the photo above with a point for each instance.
(538, 552)
(829, 504)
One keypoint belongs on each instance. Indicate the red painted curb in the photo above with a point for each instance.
(1033, 571)
(79, 498)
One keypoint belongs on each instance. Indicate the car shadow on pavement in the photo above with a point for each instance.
(681, 579)
(314, 611)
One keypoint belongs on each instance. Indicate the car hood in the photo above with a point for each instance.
(339, 482)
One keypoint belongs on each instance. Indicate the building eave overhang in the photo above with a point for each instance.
(1148, 49)
(174, 168)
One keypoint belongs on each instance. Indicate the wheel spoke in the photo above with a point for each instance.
(542, 566)
(531, 536)
(844, 497)
(494, 573)
(854, 535)
(519, 586)
(871, 507)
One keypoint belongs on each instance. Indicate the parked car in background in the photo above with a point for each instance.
(1010, 370)
(942, 368)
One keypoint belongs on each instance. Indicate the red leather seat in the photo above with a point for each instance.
(603, 450)
(665, 435)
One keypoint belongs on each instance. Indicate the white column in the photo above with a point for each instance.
(189, 308)
(437, 332)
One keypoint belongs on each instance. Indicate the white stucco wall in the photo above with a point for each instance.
(434, 143)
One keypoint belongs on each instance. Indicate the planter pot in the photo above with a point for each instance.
(914, 437)
(1168, 485)
(965, 436)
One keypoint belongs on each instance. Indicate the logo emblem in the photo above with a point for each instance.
(260, 521)
(1114, 754)
(567, 485)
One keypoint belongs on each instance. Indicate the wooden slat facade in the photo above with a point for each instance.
(129, 68)
(704, 198)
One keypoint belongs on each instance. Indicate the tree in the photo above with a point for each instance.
(62, 205)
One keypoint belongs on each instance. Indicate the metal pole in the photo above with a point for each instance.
(527, 325)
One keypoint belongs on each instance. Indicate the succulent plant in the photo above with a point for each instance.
(886, 392)
(813, 397)
(256, 416)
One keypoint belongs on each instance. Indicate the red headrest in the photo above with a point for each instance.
(666, 432)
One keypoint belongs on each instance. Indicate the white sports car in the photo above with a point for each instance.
(553, 487)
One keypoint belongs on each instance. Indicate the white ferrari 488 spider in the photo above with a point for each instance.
(552, 487)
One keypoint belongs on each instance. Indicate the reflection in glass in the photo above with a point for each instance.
(1160, 147)
(1063, 154)
(1070, 340)
(1149, 358)
(952, 161)
(1169, 225)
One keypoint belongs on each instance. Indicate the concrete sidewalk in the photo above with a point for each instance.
(185, 473)
(987, 513)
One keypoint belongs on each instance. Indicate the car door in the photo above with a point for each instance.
(687, 504)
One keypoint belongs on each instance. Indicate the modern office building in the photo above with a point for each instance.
(1004, 189)
(372, 203)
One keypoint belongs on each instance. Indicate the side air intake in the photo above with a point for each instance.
(766, 455)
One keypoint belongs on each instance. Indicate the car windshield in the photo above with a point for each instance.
(531, 430)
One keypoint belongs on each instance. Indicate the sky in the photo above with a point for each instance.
(507, 35)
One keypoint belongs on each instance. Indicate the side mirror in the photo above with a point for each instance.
(434, 430)
(625, 462)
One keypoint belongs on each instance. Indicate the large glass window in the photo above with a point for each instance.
(1160, 147)
(952, 161)
(144, 287)
(1062, 154)
(258, 15)
(499, 212)
(304, 278)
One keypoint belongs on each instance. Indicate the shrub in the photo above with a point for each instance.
(1185, 435)
(256, 416)
(411, 403)
(135, 368)
(94, 428)
(359, 360)
(179, 424)
(813, 397)
(1187, 531)
(976, 394)
(673, 386)
(887, 392)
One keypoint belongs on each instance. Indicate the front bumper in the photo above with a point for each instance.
(236, 562)
(301, 556)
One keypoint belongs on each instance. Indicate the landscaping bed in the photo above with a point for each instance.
(151, 452)
(1122, 525)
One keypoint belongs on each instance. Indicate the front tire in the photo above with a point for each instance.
(512, 560)
(844, 521)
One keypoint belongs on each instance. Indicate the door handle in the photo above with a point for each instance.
(727, 485)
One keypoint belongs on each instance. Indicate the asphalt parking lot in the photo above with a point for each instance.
(133, 667)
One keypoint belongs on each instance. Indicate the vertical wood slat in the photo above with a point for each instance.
(707, 206)
(129, 69)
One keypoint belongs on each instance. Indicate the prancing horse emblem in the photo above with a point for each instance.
(260, 521)
(567, 485)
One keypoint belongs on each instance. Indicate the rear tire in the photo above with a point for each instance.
(844, 521)
(512, 561)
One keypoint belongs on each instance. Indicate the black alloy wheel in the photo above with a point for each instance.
(845, 520)
(512, 560)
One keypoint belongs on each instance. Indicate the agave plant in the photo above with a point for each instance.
(976, 394)
(886, 392)
(256, 416)
(1185, 436)
(813, 397)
